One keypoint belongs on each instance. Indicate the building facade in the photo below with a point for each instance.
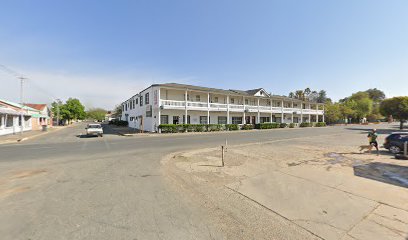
(173, 103)
(13, 118)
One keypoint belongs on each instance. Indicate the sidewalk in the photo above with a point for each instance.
(18, 137)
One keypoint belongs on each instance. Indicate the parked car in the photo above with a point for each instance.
(395, 142)
(94, 129)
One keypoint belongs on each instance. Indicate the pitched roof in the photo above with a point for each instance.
(251, 92)
(36, 106)
(18, 105)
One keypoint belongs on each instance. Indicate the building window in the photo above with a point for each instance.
(176, 119)
(188, 119)
(246, 101)
(136, 101)
(203, 119)
(215, 99)
(264, 119)
(232, 101)
(268, 102)
(164, 119)
(147, 98)
(198, 98)
(236, 120)
(141, 100)
(9, 121)
(222, 120)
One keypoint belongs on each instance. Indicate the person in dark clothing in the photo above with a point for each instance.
(372, 139)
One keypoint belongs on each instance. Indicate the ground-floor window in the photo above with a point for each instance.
(295, 119)
(176, 119)
(188, 119)
(236, 120)
(265, 119)
(278, 119)
(1, 121)
(19, 121)
(9, 121)
(222, 120)
(203, 119)
(164, 119)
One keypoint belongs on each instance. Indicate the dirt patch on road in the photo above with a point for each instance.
(28, 173)
(19, 181)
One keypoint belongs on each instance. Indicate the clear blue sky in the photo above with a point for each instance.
(105, 51)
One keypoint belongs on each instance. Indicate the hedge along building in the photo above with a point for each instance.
(170, 103)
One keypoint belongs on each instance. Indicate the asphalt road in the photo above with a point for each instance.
(63, 186)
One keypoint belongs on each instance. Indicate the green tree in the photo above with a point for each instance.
(96, 114)
(397, 107)
(376, 95)
(75, 109)
(117, 113)
(333, 113)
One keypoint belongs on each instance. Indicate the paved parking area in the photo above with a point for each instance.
(322, 185)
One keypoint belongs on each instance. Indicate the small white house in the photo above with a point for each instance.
(13, 120)
(173, 103)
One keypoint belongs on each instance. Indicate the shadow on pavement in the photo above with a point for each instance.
(379, 131)
(85, 136)
(383, 172)
(118, 130)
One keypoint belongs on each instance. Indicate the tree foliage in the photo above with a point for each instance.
(397, 107)
(96, 114)
(72, 109)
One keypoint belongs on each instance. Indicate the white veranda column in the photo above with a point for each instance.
(270, 120)
(282, 112)
(259, 113)
(323, 114)
(185, 102)
(228, 113)
(243, 103)
(292, 112)
(208, 108)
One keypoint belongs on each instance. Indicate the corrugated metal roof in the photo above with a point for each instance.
(10, 111)
(18, 105)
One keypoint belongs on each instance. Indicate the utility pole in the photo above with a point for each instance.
(22, 102)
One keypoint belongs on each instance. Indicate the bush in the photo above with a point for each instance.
(214, 127)
(168, 128)
(199, 127)
(305, 124)
(266, 125)
(283, 125)
(247, 127)
(291, 125)
(320, 124)
(232, 127)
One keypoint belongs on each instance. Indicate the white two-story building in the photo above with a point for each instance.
(170, 103)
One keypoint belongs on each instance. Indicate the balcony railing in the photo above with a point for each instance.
(174, 104)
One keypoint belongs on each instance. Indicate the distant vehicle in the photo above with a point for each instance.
(94, 129)
(395, 142)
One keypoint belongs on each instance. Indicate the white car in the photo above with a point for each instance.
(94, 129)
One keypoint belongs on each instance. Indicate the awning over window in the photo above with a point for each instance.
(37, 115)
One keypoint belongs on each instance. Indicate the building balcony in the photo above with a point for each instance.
(203, 106)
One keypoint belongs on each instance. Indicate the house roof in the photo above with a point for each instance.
(36, 106)
(17, 105)
(250, 92)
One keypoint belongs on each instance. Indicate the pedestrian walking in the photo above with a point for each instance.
(372, 139)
